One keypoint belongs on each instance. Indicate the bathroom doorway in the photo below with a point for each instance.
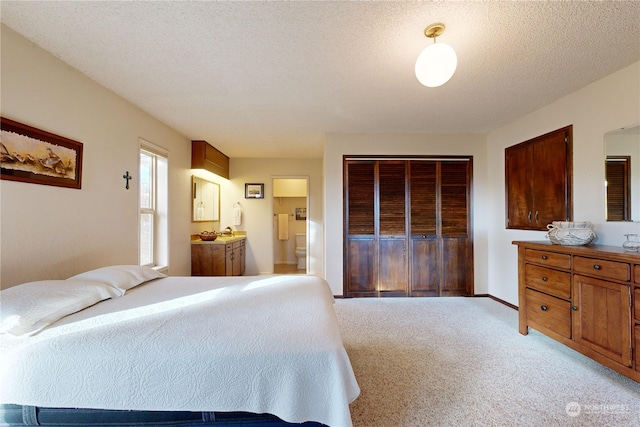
(290, 224)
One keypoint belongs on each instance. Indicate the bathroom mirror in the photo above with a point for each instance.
(622, 174)
(206, 200)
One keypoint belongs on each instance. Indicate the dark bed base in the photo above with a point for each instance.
(17, 415)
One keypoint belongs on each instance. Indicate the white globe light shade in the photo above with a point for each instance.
(436, 64)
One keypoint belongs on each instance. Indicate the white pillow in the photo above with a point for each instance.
(121, 277)
(29, 307)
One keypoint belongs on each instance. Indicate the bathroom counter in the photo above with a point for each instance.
(220, 240)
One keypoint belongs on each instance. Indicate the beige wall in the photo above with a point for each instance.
(402, 144)
(51, 232)
(605, 105)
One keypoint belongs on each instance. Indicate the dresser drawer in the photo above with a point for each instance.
(613, 270)
(554, 282)
(548, 258)
(546, 312)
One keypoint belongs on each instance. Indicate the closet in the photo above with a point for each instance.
(407, 226)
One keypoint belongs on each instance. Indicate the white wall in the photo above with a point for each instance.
(605, 105)
(52, 232)
(258, 213)
(402, 144)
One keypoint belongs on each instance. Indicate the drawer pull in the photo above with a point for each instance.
(544, 279)
(596, 267)
(543, 307)
(574, 308)
(544, 257)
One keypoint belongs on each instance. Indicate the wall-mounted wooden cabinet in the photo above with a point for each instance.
(538, 177)
(205, 156)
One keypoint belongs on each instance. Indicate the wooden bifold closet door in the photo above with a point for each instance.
(408, 227)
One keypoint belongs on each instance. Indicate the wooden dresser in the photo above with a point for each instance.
(586, 297)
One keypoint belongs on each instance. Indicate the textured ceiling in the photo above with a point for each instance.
(271, 79)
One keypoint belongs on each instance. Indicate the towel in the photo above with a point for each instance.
(237, 215)
(283, 227)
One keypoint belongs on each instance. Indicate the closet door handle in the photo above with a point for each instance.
(529, 217)
(536, 217)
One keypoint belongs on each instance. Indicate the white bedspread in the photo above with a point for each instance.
(263, 344)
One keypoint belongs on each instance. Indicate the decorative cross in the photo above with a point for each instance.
(127, 177)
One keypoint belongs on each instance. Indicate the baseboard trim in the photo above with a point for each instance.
(497, 300)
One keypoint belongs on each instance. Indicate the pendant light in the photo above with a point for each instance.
(437, 63)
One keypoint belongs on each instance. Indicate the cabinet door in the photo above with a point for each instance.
(392, 235)
(550, 180)
(455, 218)
(207, 260)
(360, 250)
(538, 176)
(602, 317)
(236, 259)
(518, 186)
(425, 254)
(228, 260)
(243, 258)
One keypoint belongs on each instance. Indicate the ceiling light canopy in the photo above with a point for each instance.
(437, 63)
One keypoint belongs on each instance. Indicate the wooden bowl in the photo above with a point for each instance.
(208, 236)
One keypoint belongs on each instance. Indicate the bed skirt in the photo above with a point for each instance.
(18, 415)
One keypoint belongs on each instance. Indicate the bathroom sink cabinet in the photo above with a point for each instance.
(218, 258)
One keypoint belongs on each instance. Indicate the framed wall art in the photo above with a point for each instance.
(35, 156)
(254, 191)
(301, 214)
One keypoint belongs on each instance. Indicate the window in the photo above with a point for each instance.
(153, 202)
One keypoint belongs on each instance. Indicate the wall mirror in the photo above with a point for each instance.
(622, 174)
(206, 200)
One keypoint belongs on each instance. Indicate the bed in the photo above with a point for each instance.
(157, 350)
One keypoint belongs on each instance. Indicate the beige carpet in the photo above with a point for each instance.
(462, 362)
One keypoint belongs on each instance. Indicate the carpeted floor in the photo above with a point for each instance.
(462, 362)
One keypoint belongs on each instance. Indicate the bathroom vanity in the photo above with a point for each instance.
(586, 297)
(224, 256)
